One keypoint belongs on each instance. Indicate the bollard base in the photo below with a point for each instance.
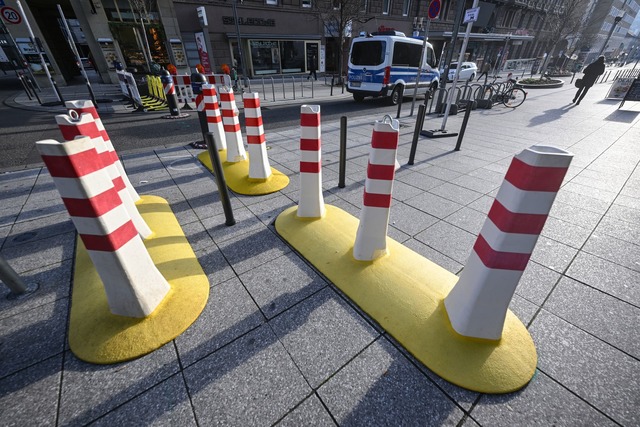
(31, 288)
(438, 133)
(179, 116)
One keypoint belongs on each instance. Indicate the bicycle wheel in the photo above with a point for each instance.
(487, 93)
(514, 98)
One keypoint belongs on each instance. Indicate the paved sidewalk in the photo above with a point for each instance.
(278, 344)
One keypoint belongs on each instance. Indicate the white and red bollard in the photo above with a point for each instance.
(84, 106)
(311, 203)
(478, 303)
(371, 237)
(85, 125)
(259, 167)
(231, 123)
(133, 285)
(214, 118)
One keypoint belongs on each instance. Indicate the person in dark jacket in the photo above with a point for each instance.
(312, 68)
(591, 73)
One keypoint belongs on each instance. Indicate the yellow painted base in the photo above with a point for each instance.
(404, 293)
(237, 176)
(97, 336)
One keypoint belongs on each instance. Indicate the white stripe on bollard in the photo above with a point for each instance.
(311, 203)
(133, 285)
(259, 167)
(371, 237)
(235, 146)
(86, 125)
(84, 106)
(478, 303)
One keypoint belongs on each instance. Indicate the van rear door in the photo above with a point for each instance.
(366, 56)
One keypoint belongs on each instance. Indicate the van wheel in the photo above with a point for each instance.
(358, 98)
(396, 95)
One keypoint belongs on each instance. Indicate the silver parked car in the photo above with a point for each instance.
(468, 71)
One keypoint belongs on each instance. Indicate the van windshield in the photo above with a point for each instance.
(368, 52)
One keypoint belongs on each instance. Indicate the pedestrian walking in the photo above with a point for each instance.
(591, 73)
(312, 68)
(486, 67)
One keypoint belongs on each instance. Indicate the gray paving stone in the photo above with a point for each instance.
(268, 210)
(449, 240)
(475, 183)
(587, 190)
(588, 367)
(615, 250)
(467, 219)
(575, 215)
(625, 213)
(420, 180)
(409, 219)
(277, 285)
(308, 413)
(9, 215)
(434, 256)
(33, 255)
(552, 254)
(606, 276)
(482, 205)
(523, 309)
(606, 317)
(542, 402)
(30, 397)
(402, 191)
(53, 283)
(381, 387)
(582, 201)
(536, 283)
(433, 205)
(197, 236)
(230, 312)
(322, 334)
(32, 336)
(623, 230)
(251, 382)
(30, 231)
(456, 193)
(253, 249)
(565, 232)
(214, 265)
(90, 391)
(165, 404)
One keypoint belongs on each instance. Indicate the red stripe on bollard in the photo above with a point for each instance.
(94, 207)
(499, 260)
(253, 121)
(73, 166)
(511, 222)
(535, 178)
(214, 119)
(255, 139)
(310, 144)
(374, 200)
(111, 242)
(384, 140)
(385, 172)
(251, 102)
(310, 167)
(311, 120)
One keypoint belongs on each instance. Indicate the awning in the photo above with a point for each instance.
(490, 37)
(275, 36)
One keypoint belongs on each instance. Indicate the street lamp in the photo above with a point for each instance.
(616, 20)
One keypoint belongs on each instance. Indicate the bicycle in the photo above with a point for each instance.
(506, 93)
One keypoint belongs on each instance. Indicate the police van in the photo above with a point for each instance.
(386, 64)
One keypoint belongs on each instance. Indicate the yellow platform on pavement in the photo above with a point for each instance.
(404, 293)
(237, 176)
(98, 336)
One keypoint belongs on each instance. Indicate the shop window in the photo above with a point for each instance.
(292, 55)
(265, 57)
(386, 7)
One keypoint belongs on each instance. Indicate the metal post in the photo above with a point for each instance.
(302, 87)
(416, 133)
(44, 64)
(273, 89)
(332, 80)
(220, 180)
(241, 57)
(415, 89)
(343, 151)
(24, 86)
(13, 281)
(284, 95)
(572, 77)
(35, 93)
(294, 86)
(400, 102)
(312, 92)
(72, 45)
(172, 99)
(467, 113)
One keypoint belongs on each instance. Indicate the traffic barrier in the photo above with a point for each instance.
(155, 100)
(133, 285)
(214, 119)
(311, 203)
(86, 125)
(478, 303)
(84, 106)
(259, 167)
(371, 237)
(231, 124)
(185, 92)
(130, 88)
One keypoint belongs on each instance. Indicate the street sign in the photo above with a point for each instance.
(10, 15)
(471, 15)
(434, 9)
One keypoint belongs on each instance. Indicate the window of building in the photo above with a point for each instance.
(306, 3)
(406, 5)
(272, 2)
(386, 7)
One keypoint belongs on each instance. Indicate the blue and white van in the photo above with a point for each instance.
(386, 64)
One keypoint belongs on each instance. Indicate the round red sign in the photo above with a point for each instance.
(434, 9)
(10, 15)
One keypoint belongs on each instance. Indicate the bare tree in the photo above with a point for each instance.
(141, 8)
(562, 21)
(337, 18)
